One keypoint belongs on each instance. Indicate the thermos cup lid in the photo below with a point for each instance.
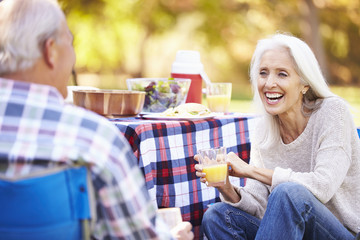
(187, 62)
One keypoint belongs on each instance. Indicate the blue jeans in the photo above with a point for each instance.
(292, 213)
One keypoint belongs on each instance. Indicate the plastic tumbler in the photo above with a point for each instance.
(170, 216)
(214, 165)
(218, 96)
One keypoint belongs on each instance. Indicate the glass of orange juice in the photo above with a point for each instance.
(218, 96)
(214, 165)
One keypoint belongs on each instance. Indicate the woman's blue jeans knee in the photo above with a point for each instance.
(223, 221)
(292, 213)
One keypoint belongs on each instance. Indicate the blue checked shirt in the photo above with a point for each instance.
(36, 124)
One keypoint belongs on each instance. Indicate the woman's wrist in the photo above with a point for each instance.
(253, 172)
(261, 174)
(229, 193)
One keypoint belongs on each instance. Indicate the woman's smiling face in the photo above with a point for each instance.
(278, 83)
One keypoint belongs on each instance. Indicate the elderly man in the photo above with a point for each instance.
(36, 60)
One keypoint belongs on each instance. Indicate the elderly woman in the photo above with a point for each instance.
(304, 171)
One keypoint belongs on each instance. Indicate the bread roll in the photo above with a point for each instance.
(186, 110)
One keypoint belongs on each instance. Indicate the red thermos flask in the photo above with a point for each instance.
(187, 64)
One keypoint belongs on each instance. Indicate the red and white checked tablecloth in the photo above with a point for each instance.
(165, 151)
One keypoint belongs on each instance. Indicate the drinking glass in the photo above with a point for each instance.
(213, 161)
(170, 216)
(218, 96)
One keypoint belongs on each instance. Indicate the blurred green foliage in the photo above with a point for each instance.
(139, 38)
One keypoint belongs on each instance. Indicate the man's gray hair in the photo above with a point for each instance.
(25, 25)
(306, 66)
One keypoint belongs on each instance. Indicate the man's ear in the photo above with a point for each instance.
(50, 53)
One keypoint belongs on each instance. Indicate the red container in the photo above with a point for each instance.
(195, 91)
(187, 64)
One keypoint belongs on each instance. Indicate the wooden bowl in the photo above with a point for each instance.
(110, 102)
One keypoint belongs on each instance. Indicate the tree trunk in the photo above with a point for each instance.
(311, 34)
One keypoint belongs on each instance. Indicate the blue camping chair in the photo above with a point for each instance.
(53, 205)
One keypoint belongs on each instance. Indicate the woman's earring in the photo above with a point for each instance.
(303, 91)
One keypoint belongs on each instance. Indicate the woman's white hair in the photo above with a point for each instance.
(25, 25)
(310, 74)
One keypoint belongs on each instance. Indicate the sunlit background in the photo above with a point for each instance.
(119, 39)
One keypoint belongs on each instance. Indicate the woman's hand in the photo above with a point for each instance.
(199, 170)
(239, 168)
(182, 231)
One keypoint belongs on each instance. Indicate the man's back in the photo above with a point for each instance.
(36, 124)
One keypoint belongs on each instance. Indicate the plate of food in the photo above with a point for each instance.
(183, 112)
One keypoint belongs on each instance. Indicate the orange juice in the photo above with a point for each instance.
(215, 174)
(218, 103)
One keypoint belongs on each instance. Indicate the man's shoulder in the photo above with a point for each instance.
(87, 118)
